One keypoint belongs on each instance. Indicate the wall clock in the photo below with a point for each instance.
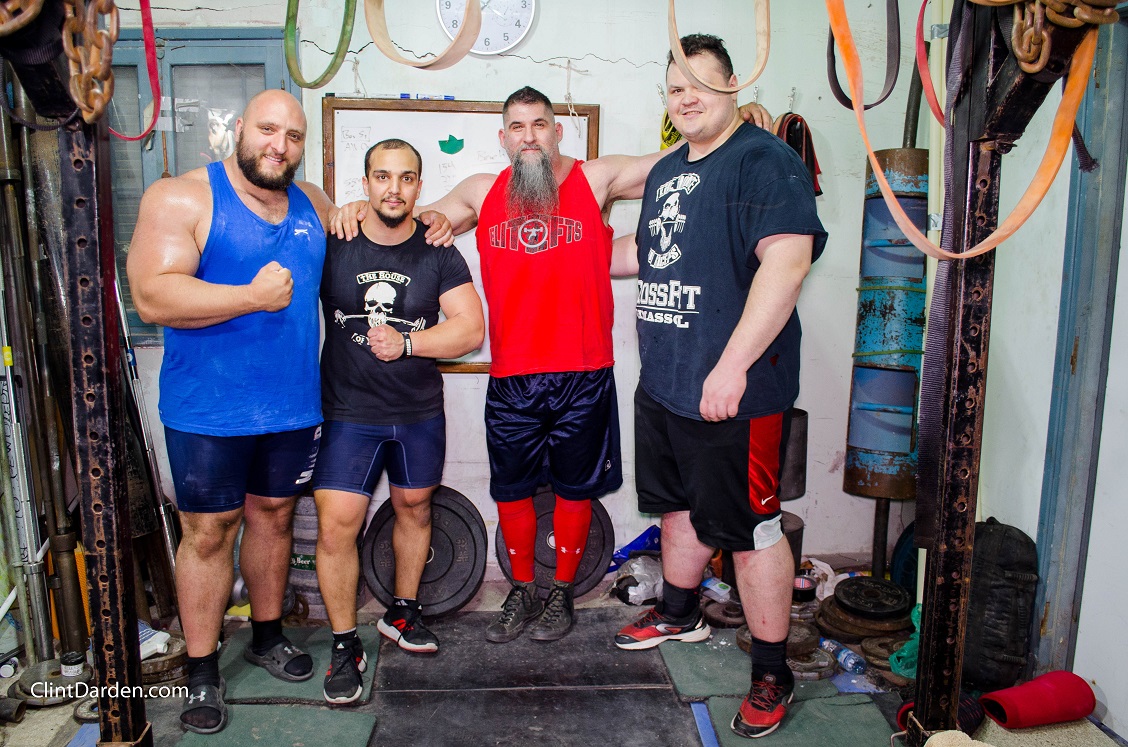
(504, 22)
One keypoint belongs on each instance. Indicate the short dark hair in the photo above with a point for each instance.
(526, 95)
(695, 44)
(391, 144)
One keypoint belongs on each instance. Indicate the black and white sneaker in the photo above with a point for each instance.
(343, 683)
(404, 625)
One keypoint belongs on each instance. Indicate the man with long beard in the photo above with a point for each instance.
(228, 258)
(551, 413)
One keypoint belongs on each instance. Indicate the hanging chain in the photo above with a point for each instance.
(1030, 39)
(15, 14)
(91, 62)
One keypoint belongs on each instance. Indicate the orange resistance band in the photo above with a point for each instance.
(1060, 138)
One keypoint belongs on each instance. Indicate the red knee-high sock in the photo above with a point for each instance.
(518, 520)
(570, 523)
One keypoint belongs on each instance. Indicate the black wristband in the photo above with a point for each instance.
(406, 345)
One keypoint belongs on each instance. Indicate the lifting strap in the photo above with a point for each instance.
(1060, 138)
(892, 59)
(763, 47)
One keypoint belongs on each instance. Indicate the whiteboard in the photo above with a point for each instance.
(456, 139)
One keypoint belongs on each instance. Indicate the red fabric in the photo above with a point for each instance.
(547, 280)
(764, 436)
(570, 524)
(518, 521)
(922, 66)
(1052, 698)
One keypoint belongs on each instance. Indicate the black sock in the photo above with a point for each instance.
(679, 603)
(203, 670)
(770, 658)
(406, 602)
(265, 635)
(345, 637)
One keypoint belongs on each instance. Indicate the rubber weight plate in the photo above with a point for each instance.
(860, 625)
(744, 639)
(873, 598)
(456, 561)
(597, 554)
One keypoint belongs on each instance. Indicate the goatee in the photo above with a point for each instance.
(248, 163)
(532, 186)
(391, 221)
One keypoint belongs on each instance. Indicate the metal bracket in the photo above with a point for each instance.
(938, 31)
(935, 222)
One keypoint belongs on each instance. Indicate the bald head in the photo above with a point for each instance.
(270, 138)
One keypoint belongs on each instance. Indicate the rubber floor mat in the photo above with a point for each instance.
(820, 722)
(247, 683)
(717, 666)
(586, 657)
(287, 726)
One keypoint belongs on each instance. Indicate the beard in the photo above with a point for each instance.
(249, 164)
(391, 221)
(532, 186)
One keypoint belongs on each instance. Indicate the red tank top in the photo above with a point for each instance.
(547, 280)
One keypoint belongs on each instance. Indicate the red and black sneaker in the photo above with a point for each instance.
(404, 625)
(762, 710)
(653, 628)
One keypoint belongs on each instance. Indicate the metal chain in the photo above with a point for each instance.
(1030, 39)
(91, 62)
(15, 14)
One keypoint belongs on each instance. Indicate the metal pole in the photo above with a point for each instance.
(100, 443)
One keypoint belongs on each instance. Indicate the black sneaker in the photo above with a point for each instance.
(404, 625)
(343, 683)
(762, 710)
(521, 607)
(556, 620)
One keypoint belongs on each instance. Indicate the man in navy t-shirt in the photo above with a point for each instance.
(727, 234)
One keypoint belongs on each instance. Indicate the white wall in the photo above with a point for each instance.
(621, 48)
(1102, 648)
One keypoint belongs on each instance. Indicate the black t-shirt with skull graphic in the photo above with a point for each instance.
(701, 221)
(365, 284)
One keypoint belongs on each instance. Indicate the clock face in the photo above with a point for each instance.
(504, 22)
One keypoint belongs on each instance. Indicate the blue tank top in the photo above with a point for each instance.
(256, 373)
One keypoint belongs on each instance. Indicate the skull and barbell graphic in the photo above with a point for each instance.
(378, 303)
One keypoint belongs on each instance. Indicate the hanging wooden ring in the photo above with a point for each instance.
(763, 46)
(463, 41)
(291, 45)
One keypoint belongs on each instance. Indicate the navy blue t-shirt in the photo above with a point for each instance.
(365, 285)
(697, 235)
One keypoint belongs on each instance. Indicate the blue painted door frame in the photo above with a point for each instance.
(1092, 250)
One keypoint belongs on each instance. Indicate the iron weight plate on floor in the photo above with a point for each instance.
(722, 614)
(860, 625)
(597, 554)
(817, 665)
(873, 598)
(456, 563)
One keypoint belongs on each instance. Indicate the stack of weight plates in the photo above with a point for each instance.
(864, 607)
(804, 657)
(804, 611)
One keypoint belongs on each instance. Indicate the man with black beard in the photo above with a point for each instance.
(551, 414)
(228, 258)
(382, 396)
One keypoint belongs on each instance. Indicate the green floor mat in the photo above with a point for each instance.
(247, 683)
(718, 667)
(821, 722)
(286, 726)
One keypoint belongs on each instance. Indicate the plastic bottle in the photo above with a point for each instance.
(847, 659)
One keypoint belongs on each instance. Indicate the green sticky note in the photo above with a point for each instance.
(451, 145)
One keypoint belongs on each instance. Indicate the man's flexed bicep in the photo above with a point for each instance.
(164, 256)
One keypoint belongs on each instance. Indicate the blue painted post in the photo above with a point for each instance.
(881, 439)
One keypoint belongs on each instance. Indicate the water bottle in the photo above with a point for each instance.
(847, 659)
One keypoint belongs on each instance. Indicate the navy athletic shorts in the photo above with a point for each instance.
(726, 474)
(558, 428)
(354, 455)
(215, 473)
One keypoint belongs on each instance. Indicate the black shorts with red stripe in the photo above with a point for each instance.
(726, 474)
